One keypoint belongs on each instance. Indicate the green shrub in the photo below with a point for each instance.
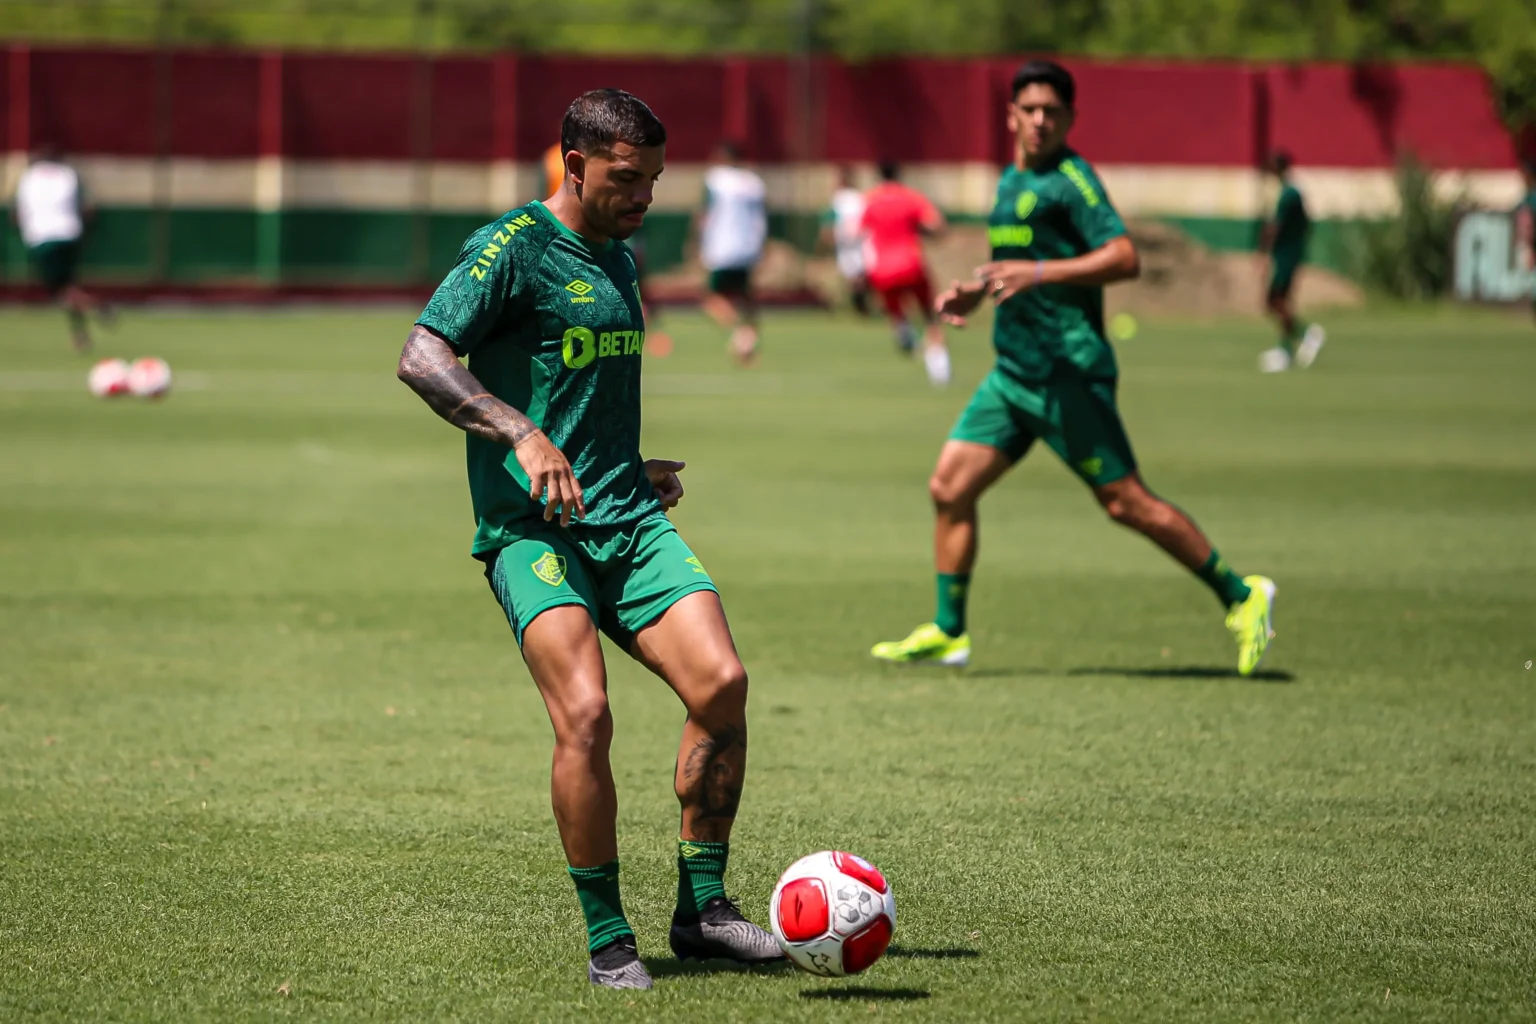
(1408, 255)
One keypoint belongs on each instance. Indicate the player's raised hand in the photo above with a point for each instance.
(957, 301)
(662, 473)
(549, 471)
(1007, 278)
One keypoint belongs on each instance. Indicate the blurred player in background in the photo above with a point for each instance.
(1285, 239)
(896, 218)
(51, 212)
(732, 229)
(843, 234)
(1056, 242)
(1525, 222)
(572, 526)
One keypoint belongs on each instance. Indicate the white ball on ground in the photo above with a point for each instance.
(108, 378)
(833, 913)
(149, 377)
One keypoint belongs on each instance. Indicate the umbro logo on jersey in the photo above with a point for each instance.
(580, 291)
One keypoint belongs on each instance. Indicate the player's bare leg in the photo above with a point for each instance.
(721, 310)
(565, 658)
(935, 351)
(1130, 504)
(744, 338)
(1249, 600)
(690, 647)
(964, 472)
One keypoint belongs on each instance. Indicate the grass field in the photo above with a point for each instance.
(267, 748)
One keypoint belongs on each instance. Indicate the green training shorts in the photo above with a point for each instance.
(624, 576)
(55, 262)
(1075, 416)
(1282, 274)
(731, 281)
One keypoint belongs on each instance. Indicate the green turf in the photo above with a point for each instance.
(267, 748)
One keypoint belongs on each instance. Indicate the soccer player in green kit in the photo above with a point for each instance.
(572, 526)
(1285, 239)
(1056, 242)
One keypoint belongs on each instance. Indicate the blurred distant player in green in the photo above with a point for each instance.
(572, 525)
(1525, 222)
(1285, 239)
(1056, 242)
(51, 212)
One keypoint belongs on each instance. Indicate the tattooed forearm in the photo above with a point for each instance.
(429, 367)
(712, 774)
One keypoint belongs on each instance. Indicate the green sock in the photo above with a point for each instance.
(1228, 585)
(598, 890)
(1288, 338)
(700, 874)
(953, 589)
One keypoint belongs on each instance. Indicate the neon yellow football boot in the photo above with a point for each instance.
(926, 645)
(1252, 623)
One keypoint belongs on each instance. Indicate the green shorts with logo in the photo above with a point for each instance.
(1076, 416)
(625, 576)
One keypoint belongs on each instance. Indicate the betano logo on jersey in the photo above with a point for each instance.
(1015, 236)
(580, 291)
(502, 237)
(581, 345)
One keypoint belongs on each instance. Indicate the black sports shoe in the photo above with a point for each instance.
(617, 965)
(719, 932)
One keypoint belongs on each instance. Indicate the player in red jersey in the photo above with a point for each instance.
(896, 218)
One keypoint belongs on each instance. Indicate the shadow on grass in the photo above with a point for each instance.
(866, 994)
(920, 953)
(667, 967)
(1186, 672)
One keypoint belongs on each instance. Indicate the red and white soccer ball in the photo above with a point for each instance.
(149, 378)
(108, 378)
(833, 913)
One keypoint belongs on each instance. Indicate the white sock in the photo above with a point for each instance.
(936, 359)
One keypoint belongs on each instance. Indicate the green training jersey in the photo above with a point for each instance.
(1055, 211)
(1292, 224)
(552, 326)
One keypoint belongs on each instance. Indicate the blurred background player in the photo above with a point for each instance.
(842, 234)
(51, 213)
(1285, 239)
(733, 226)
(1525, 222)
(1056, 242)
(895, 220)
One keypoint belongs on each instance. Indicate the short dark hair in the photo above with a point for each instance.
(1280, 160)
(730, 148)
(597, 119)
(890, 170)
(1046, 72)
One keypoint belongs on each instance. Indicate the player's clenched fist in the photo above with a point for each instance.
(549, 471)
(957, 301)
(662, 473)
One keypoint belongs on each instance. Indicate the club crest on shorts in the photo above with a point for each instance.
(1091, 467)
(550, 568)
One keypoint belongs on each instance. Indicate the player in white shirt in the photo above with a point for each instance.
(732, 229)
(51, 213)
(841, 232)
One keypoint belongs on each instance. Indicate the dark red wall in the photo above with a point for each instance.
(396, 107)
